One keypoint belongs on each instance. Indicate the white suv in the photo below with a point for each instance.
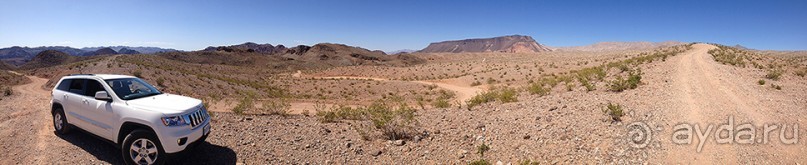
(145, 123)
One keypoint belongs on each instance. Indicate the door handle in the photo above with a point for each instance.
(64, 95)
(85, 101)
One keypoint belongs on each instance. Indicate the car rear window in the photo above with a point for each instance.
(77, 86)
(65, 85)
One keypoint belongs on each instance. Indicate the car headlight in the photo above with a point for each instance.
(174, 121)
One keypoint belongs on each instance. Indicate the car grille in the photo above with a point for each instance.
(197, 118)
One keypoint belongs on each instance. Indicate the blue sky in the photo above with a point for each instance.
(401, 24)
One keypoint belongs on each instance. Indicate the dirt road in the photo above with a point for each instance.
(707, 94)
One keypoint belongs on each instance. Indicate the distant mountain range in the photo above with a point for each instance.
(506, 44)
(616, 46)
(18, 55)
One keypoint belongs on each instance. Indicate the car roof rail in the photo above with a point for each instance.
(81, 74)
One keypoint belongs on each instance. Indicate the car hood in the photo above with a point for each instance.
(166, 103)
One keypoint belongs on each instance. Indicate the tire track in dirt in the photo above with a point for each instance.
(28, 108)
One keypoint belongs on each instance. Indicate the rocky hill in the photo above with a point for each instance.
(127, 51)
(616, 46)
(506, 44)
(50, 58)
(328, 54)
(102, 51)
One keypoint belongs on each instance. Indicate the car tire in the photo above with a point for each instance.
(60, 122)
(143, 147)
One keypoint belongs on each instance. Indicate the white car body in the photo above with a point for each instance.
(107, 118)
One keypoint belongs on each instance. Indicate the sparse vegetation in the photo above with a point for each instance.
(503, 94)
(777, 87)
(774, 74)
(481, 149)
(480, 162)
(620, 84)
(276, 107)
(761, 82)
(245, 104)
(614, 111)
(394, 121)
(476, 83)
(7, 91)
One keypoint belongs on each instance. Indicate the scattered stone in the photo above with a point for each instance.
(375, 152)
(553, 108)
(526, 137)
(399, 142)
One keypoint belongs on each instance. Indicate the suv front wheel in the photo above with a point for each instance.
(142, 147)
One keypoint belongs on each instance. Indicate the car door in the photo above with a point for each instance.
(72, 103)
(99, 112)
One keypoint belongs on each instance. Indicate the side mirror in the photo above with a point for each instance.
(102, 95)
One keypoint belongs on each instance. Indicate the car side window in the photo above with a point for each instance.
(77, 86)
(65, 85)
(92, 87)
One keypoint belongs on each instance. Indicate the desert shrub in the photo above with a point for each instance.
(774, 74)
(137, 73)
(528, 162)
(504, 95)
(243, 105)
(633, 81)
(538, 89)
(777, 87)
(7, 91)
(614, 111)
(441, 103)
(584, 81)
(161, 81)
(481, 149)
(476, 83)
(761, 82)
(491, 80)
(480, 162)
(277, 107)
(393, 118)
(801, 72)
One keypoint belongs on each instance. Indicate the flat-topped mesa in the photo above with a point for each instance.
(506, 44)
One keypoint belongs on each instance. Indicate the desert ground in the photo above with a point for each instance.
(546, 108)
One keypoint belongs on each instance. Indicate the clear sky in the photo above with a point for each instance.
(399, 24)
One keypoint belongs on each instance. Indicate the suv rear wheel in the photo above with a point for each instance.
(142, 147)
(60, 122)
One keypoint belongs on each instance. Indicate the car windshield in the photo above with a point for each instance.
(132, 88)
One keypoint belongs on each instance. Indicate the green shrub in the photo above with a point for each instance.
(633, 81)
(476, 83)
(441, 103)
(614, 111)
(538, 89)
(481, 149)
(504, 95)
(761, 82)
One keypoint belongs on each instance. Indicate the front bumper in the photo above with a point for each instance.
(170, 136)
